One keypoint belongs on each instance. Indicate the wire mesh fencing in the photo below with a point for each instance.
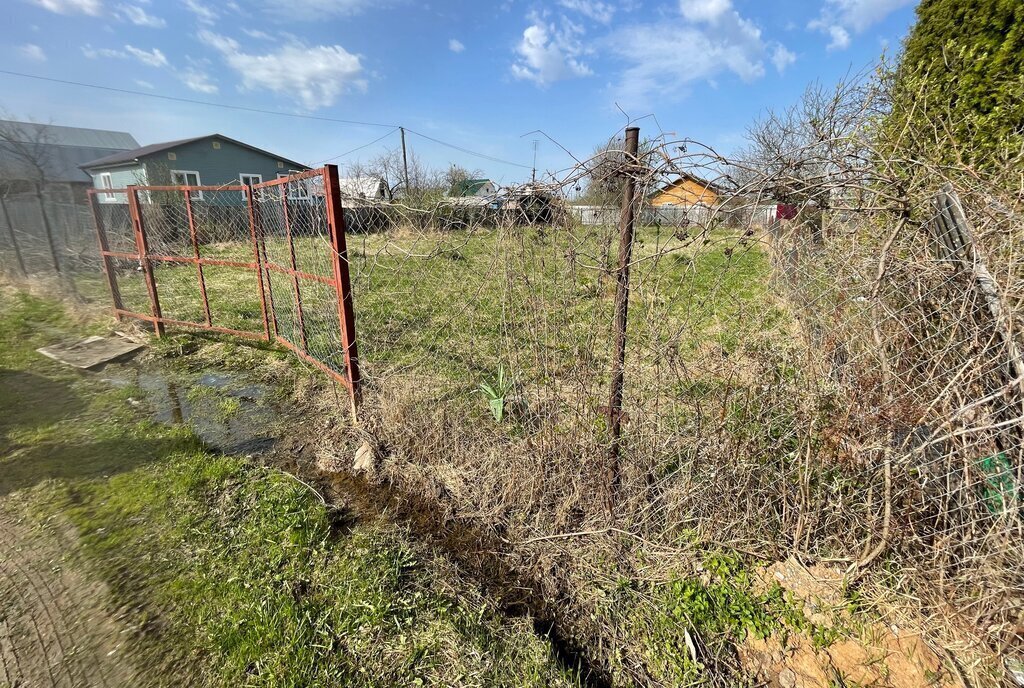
(835, 375)
(257, 261)
(803, 377)
(48, 237)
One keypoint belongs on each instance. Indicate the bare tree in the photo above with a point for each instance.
(605, 172)
(27, 149)
(389, 166)
(457, 174)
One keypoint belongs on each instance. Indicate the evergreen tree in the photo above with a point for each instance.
(961, 81)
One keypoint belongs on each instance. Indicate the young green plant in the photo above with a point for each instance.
(496, 392)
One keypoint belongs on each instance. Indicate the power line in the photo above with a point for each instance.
(193, 101)
(467, 151)
(278, 113)
(365, 145)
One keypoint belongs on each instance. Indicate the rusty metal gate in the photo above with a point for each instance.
(266, 261)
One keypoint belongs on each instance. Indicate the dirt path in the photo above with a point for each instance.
(56, 623)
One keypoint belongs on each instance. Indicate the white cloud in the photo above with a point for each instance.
(92, 7)
(840, 38)
(138, 16)
(93, 53)
(782, 58)
(840, 19)
(549, 53)
(31, 51)
(204, 13)
(141, 83)
(456, 45)
(153, 58)
(601, 12)
(199, 81)
(316, 75)
(257, 34)
(311, 10)
(704, 10)
(708, 39)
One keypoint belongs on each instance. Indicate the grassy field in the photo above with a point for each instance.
(459, 304)
(234, 574)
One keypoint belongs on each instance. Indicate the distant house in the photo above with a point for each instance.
(211, 160)
(33, 153)
(370, 188)
(685, 192)
(473, 187)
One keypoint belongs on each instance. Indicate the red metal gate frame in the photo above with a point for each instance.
(340, 279)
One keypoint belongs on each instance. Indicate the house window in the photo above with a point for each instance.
(187, 178)
(297, 190)
(250, 180)
(107, 183)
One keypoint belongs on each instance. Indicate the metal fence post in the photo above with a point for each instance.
(342, 280)
(108, 263)
(144, 261)
(627, 217)
(193, 235)
(294, 266)
(257, 237)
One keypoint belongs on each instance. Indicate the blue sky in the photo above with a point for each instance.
(476, 74)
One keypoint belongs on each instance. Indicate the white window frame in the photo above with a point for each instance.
(241, 179)
(196, 195)
(303, 189)
(107, 182)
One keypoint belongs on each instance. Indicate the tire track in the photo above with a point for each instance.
(55, 627)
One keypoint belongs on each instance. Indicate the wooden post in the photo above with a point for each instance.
(109, 270)
(627, 218)
(13, 237)
(342, 280)
(144, 262)
(953, 239)
(48, 230)
(405, 162)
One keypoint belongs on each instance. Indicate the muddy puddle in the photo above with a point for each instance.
(230, 412)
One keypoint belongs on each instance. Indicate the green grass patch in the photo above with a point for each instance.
(687, 626)
(235, 573)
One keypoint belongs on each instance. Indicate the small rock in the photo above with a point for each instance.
(364, 458)
(787, 678)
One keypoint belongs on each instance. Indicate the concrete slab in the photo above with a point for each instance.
(90, 352)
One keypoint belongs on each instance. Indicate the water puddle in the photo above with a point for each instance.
(228, 411)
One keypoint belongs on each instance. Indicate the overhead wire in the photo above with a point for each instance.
(264, 111)
(359, 148)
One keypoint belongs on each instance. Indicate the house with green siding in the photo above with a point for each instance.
(212, 160)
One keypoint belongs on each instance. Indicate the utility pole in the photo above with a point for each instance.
(405, 161)
(533, 175)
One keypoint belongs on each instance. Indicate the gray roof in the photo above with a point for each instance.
(134, 155)
(59, 150)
